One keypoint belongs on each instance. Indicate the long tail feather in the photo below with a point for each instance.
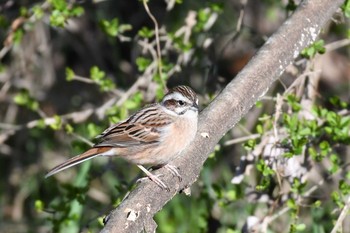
(89, 154)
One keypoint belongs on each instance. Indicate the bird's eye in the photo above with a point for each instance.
(182, 103)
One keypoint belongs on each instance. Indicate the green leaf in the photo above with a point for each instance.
(23, 11)
(314, 155)
(96, 74)
(93, 130)
(37, 12)
(258, 104)
(259, 129)
(345, 121)
(125, 27)
(24, 99)
(291, 204)
(18, 35)
(325, 148)
(146, 32)
(111, 28)
(288, 154)
(142, 63)
(57, 125)
(294, 102)
(60, 5)
(130, 104)
(217, 7)
(332, 118)
(300, 227)
(69, 128)
(101, 221)
(231, 195)
(264, 168)
(335, 163)
(69, 74)
(297, 186)
(250, 144)
(57, 18)
(77, 11)
(337, 199)
(41, 124)
(317, 204)
(344, 187)
(39, 205)
(346, 8)
(312, 50)
(305, 131)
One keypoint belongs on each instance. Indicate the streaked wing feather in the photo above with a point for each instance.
(140, 128)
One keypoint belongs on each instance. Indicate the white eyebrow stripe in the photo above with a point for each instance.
(176, 96)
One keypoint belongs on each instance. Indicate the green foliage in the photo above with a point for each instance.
(142, 63)
(297, 186)
(346, 8)
(57, 124)
(113, 28)
(250, 144)
(146, 32)
(23, 98)
(264, 168)
(38, 12)
(78, 199)
(312, 50)
(93, 130)
(314, 138)
(39, 205)
(100, 78)
(18, 35)
(69, 128)
(69, 74)
(61, 12)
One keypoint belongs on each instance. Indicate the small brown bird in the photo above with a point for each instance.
(154, 135)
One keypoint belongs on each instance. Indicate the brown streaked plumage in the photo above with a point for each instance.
(154, 135)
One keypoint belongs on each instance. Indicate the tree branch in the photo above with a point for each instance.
(135, 213)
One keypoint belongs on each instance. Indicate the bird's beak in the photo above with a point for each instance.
(195, 105)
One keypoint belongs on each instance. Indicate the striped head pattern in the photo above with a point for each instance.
(181, 100)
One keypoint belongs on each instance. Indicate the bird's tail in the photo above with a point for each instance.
(92, 153)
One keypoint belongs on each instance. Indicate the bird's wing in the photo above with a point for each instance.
(144, 127)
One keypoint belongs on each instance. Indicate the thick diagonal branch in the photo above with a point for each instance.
(135, 213)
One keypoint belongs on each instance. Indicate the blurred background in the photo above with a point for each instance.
(69, 69)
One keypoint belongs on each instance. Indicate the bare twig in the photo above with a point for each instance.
(156, 28)
(343, 214)
(241, 15)
(337, 44)
(241, 139)
(76, 117)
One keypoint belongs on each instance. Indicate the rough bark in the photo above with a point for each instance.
(135, 213)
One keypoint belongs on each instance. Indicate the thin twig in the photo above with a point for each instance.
(342, 216)
(156, 28)
(306, 194)
(83, 139)
(241, 15)
(241, 139)
(83, 79)
(337, 44)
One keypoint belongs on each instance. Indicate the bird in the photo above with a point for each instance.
(154, 135)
